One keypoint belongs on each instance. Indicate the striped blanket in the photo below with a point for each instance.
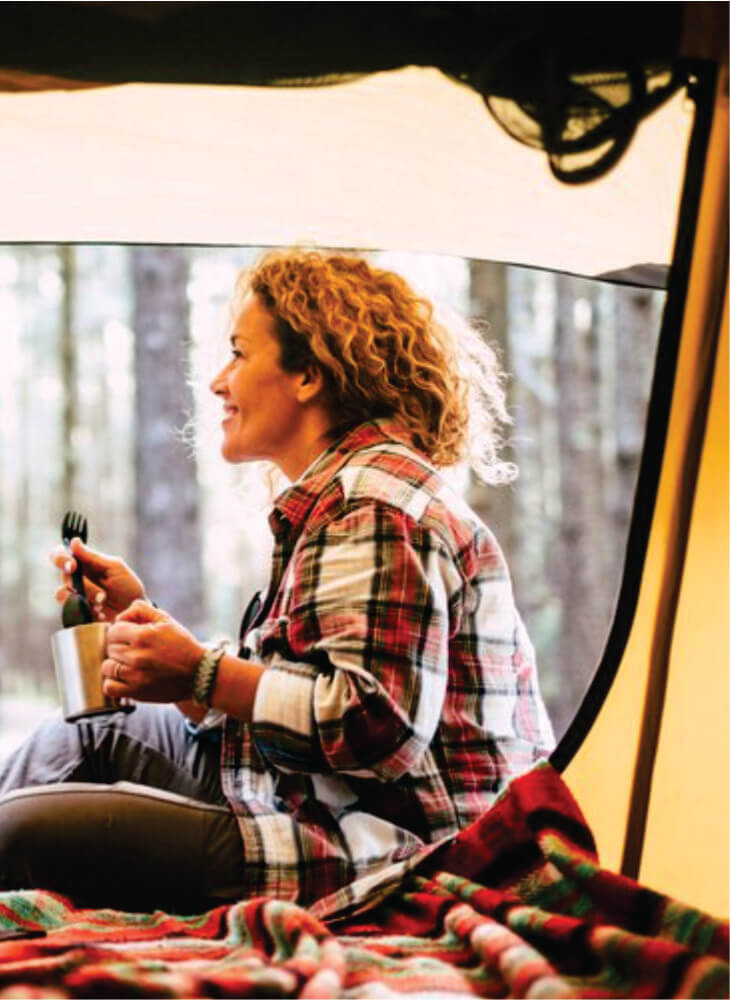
(517, 905)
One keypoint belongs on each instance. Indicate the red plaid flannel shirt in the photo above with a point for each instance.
(400, 694)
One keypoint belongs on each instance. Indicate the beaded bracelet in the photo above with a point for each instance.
(206, 672)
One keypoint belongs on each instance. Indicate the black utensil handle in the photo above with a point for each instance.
(77, 577)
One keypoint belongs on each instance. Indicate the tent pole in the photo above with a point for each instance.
(703, 319)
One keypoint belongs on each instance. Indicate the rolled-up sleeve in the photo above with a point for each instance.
(357, 662)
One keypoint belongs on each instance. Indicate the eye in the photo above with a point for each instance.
(236, 353)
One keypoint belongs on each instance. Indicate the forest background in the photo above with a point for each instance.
(107, 356)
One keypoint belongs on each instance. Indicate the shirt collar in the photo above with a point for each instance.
(292, 507)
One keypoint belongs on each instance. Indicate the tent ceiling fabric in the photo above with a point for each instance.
(571, 81)
(404, 160)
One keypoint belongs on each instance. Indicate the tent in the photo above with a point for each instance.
(348, 161)
(335, 124)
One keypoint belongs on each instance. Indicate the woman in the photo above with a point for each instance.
(385, 690)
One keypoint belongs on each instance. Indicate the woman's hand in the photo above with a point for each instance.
(110, 584)
(150, 656)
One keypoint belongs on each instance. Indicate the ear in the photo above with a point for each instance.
(310, 384)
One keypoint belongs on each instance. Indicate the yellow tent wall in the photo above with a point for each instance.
(688, 834)
(686, 845)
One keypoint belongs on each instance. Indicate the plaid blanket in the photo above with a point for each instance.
(516, 905)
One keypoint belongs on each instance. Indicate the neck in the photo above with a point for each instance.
(317, 435)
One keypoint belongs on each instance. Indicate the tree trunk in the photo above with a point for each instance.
(530, 402)
(22, 651)
(578, 561)
(488, 302)
(167, 550)
(636, 341)
(67, 358)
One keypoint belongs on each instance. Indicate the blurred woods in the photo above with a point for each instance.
(107, 354)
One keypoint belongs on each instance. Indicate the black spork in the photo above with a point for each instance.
(76, 609)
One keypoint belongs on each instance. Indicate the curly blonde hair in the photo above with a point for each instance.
(383, 353)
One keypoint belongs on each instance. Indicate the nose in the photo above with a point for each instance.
(218, 384)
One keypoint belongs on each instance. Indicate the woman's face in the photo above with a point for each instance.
(263, 406)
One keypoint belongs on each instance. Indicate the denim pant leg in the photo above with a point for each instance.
(123, 847)
(150, 746)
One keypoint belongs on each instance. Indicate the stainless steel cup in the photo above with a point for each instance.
(77, 655)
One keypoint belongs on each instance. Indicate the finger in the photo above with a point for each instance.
(66, 563)
(115, 670)
(63, 593)
(92, 561)
(112, 684)
(125, 634)
(97, 605)
(59, 556)
(109, 668)
(95, 594)
(127, 655)
(114, 689)
(61, 559)
(141, 612)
